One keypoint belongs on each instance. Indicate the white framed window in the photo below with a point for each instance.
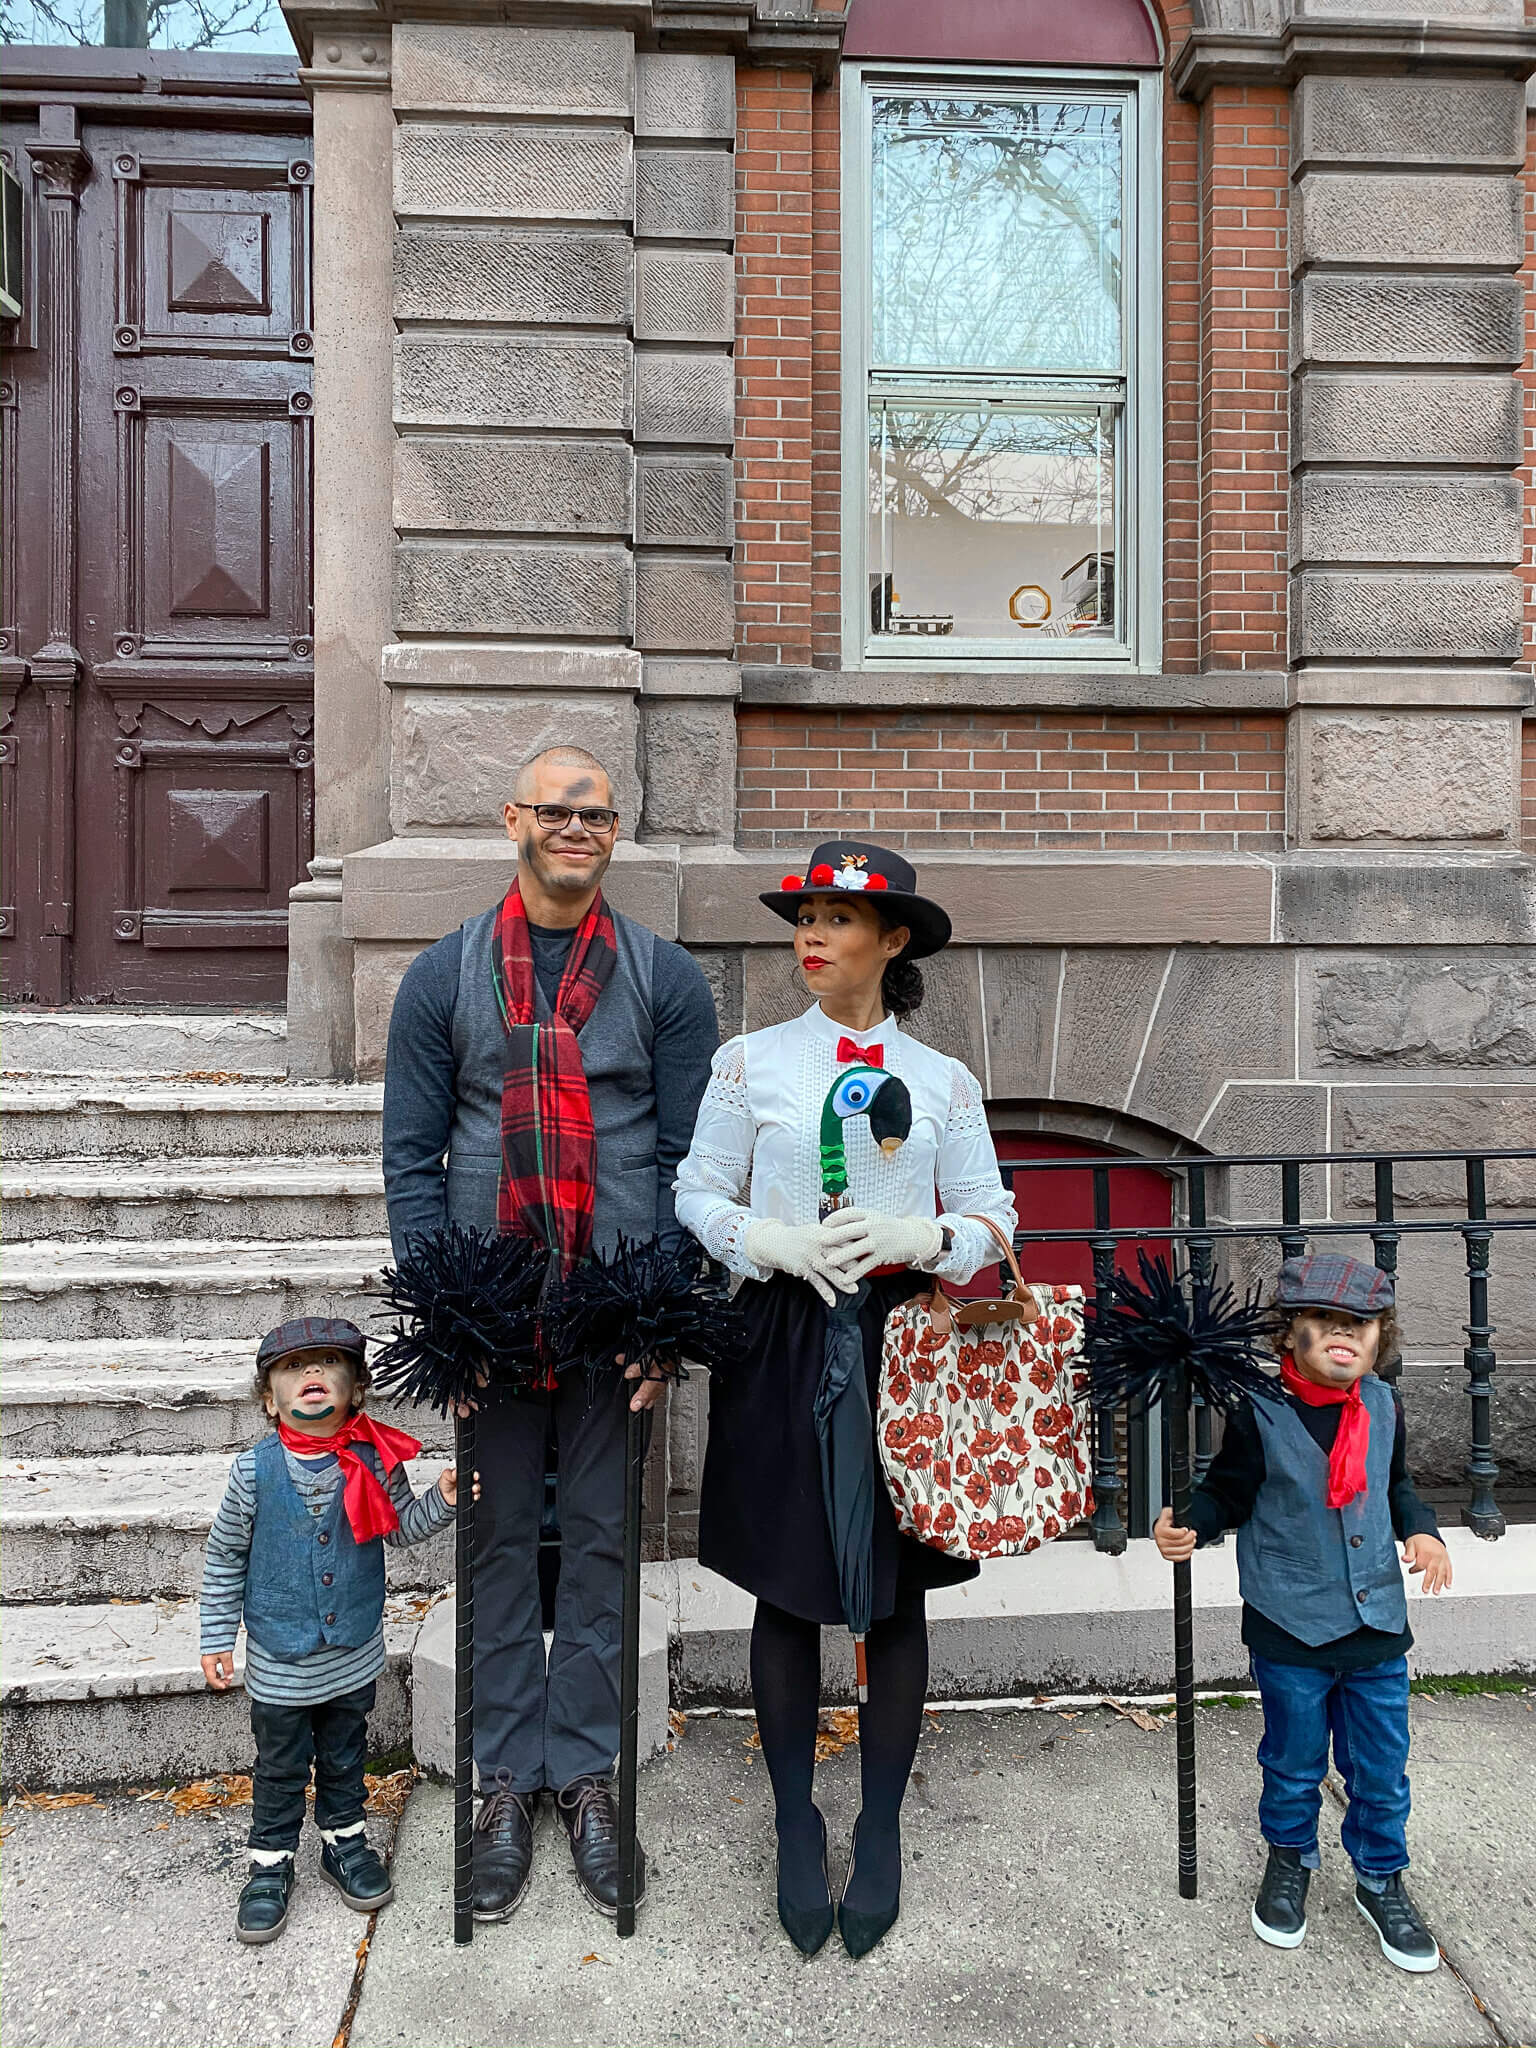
(1002, 368)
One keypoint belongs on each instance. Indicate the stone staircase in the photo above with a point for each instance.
(165, 1197)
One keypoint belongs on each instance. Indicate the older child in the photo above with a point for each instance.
(296, 1546)
(1316, 1484)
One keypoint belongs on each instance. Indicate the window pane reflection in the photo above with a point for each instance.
(992, 524)
(996, 234)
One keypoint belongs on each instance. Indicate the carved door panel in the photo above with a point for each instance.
(189, 688)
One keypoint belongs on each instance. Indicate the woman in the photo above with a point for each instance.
(750, 1191)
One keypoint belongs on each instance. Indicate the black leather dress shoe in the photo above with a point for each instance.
(1404, 1938)
(808, 1925)
(502, 1850)
(1280, 1910)
(263, 1910)
(357, 1872)
(861, 1930)
(591, 1820)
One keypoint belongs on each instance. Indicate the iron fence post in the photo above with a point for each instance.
(1108, 1529)
(1384, 1243)
(1481, 1513)
(1202, 1265)
(1293, 1239)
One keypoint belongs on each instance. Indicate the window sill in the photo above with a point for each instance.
(897, 686)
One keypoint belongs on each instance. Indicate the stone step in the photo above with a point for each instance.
(158, 1120)
(82, 1529)
(112, 1693)
(289, 1199)
(118, 1043)
(186, 1287)
(147, 1395)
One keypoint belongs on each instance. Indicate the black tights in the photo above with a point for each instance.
(786, 1691)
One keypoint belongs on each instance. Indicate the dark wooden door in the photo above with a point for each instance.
(162, 678)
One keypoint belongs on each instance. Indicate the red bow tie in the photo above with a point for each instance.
(860, 1055)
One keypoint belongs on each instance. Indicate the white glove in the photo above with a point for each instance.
(858, 1240)
(798, 1248)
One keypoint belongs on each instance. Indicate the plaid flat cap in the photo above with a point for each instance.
(309, 1333)
(1329, 1280)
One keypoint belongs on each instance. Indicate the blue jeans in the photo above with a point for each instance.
(1366, 1713)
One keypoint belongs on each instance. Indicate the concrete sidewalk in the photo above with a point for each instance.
(1040, 1911)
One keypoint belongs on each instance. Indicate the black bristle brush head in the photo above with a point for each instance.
(467, 1304)
(647, 1302)
(1169, 1327)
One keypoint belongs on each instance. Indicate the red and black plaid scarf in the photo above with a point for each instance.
(548, 1145)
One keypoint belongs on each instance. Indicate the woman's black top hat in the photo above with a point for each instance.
(865, 869)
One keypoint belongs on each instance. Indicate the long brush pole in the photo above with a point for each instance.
(464, 1683)
(635, 1440)
(1183, 1645)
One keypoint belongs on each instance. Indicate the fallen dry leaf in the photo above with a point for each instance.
(677, 1722)
(836, 1727)
(46, 1802)
(594, 1957)
(1139, 1715)
(388, 1791)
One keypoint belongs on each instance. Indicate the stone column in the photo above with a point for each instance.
(348, 81)
(1406, 237)
(685, 324)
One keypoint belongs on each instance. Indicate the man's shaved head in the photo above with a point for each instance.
(566, 775)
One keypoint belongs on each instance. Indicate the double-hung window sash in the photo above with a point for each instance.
(1000, 326)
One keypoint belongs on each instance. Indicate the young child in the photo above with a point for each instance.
(296, 1547)
(1316, 1484)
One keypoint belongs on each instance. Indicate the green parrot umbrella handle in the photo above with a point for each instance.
(842, 1405)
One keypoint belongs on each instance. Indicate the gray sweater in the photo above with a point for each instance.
(420, 1075)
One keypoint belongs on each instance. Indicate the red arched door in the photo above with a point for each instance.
(1062, 1199)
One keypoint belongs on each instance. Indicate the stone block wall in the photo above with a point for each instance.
(563, 292)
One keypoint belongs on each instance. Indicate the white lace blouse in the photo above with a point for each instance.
(756, 1145)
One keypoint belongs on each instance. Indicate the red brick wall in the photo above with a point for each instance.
(1528, 785)
(1086, 781)
(773, 364)
(1245, 384)
(1183, 341)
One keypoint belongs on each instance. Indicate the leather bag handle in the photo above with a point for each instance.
(945, 1313)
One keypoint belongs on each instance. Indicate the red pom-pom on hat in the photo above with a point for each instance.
(877, 882)
(822, 875)
(793, 882)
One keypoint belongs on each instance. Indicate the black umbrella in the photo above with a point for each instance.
(845, 1428)
(467, 1332)
(845, 1432)
(1158, 1345)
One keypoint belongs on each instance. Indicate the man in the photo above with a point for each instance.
(544, 1071)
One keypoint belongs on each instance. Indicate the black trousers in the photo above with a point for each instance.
(331, 1735)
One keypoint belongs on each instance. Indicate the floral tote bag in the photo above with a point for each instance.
(983, 1421)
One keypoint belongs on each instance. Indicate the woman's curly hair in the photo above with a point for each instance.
(901, 985)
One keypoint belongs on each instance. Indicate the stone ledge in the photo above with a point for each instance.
(1020, 688)
(415, 890)
(1211, 57)
(1067, 1619)
(507, 665)
(1330, 899)
(1421, 688)
(1016, 899)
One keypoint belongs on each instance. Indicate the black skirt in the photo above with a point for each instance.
(762, 1521)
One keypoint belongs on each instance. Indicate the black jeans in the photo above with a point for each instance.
(333, 1736)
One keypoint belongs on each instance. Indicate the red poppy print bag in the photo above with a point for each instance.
(983, 1422)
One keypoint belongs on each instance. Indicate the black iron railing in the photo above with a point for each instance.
(1200, 1229)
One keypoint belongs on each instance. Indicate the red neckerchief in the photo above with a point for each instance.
(370, 1511)
(1346, 1461)
(863, 1055)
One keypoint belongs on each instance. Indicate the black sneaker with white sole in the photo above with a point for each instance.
(1280, 1910)
(263, 1910)
(1404, 1938)
(357, 1872)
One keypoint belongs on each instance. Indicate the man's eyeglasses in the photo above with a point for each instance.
(595, 818)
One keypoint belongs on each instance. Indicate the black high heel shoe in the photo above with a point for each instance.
(809, 1926)
(860, 1931)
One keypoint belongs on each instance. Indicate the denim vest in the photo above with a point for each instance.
(1321, 1572)
(616, 1056)
(309, 1584)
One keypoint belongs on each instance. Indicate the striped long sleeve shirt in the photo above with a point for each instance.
(327, 1673)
